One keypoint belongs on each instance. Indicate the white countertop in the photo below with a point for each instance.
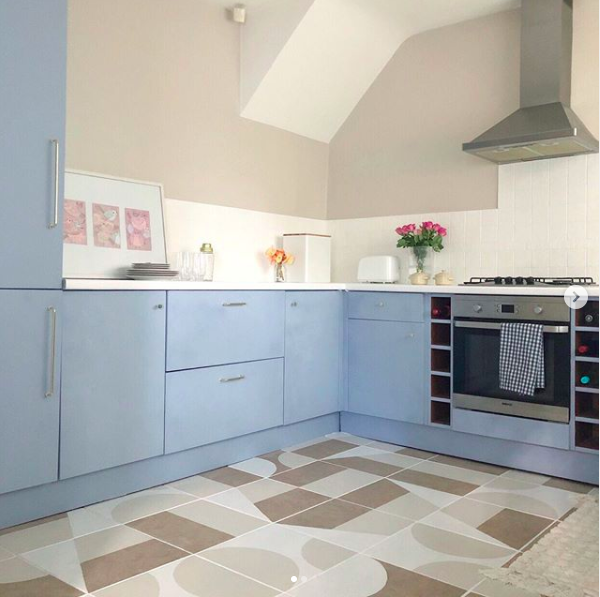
(99, 284)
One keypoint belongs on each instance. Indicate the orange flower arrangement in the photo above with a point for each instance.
(279, 256)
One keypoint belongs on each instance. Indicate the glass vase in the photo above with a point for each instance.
(421, 258)
(279, 272)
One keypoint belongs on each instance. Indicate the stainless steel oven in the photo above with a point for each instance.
(476, 355)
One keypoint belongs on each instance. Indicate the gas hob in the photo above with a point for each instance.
(530, 281)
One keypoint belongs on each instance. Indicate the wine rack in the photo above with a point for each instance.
(440, 360)
(585, 377)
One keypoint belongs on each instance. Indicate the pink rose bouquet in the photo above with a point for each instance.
(428, 234)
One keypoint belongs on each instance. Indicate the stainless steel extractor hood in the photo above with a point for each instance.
(544, 126)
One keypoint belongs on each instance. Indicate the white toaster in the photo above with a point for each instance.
(382, 269)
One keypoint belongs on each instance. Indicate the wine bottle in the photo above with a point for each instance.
(583, 349)
(441, 312)
(589, 348)
(585, 380)
(589, 319)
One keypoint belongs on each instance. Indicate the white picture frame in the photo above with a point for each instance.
(110, 223)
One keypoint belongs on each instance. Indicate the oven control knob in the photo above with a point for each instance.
(477, 308)
(538, 309)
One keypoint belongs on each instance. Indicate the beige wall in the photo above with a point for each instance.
(400, 150)
(153, 94)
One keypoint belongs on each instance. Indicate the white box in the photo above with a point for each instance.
(312, 254)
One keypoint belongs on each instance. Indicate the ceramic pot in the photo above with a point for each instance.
(419, 278)
(443, 278)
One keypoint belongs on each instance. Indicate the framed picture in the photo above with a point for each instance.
(110, 223)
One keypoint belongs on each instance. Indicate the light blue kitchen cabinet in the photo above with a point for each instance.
(33, 61)
(386, 361)
(29, 387)
(113, 379)
(217, 403)
(219, 327)
(313, 353)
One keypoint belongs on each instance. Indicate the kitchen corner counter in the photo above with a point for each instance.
(105, 284)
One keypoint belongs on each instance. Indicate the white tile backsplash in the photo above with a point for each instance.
(547, 223)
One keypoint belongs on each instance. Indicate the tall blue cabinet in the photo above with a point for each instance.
(313, 354)
(33, 64)
(29, 387)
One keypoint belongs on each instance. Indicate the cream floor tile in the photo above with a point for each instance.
(94, 561)
(454, 472)
(377, 455)
(5, 554)
(340, 483)
(244, 498)
(199, 486)
(54, 529)
(140, 504)
(277, 556)
(418, 501)
(190, 577)
(19, 578)
(527, 497)
(219, 517)
(271, 464)
(448, 557)
(525, 476)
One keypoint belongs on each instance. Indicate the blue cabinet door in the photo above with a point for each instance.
(33, 60)
(386, 361)
(113, 380)
(313, 349)
(29, 387)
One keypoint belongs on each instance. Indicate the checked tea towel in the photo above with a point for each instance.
(521, 357)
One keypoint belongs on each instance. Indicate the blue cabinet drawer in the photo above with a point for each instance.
(385, 306)
(209, 405)
(207, 328)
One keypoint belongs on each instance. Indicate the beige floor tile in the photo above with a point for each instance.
(54, 529)
(199, 486)
(344, 481)
(472, 465)
(18, 578)
(141, 504)
(230, 476)
(277, 555)
(272, 463)
(308, 474)
(191, 576)
(325, 449)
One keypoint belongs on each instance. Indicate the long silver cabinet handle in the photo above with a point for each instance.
(234, 304)
(54, 222)
(228, 379)
(50, 390)
(489, 325)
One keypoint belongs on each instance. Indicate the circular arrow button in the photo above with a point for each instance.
(576, 297)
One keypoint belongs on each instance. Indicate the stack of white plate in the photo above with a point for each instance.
(150, 271)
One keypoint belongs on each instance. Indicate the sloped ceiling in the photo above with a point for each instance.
(305, 64)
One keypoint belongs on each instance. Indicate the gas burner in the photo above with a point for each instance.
(529, 281)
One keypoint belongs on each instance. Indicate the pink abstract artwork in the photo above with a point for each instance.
(74, 223)
(106, 226)
(139, 237)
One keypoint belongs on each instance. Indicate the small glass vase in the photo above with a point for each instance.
(421, 258)
(279, 272)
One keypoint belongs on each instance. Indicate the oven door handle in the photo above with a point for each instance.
(488, 325)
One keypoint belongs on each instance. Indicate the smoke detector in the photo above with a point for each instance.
(238, 14)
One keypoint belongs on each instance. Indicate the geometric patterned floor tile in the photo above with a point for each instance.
(324, 449)
(539, 500)
(189, 577)
(348, 525)
(438, 483)
(372, 460)
(272, 463)
(362, 576)
(5, 555)
(140, 504)
(18, 578)
(442, 555)
(230, 476)
(268, 500)
(277, 556)
(95, 561)
(455, 473)
(54, 529)
(315, 471)
(488, 522)
(349, 438)
(472, 465)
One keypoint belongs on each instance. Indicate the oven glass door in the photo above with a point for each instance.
(476, 375)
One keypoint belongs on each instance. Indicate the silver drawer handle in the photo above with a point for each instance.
(293, 304)
(50, 391)
(55, 142)
(234, 304)
(228, 379)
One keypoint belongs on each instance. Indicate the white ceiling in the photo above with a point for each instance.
(316, 74)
